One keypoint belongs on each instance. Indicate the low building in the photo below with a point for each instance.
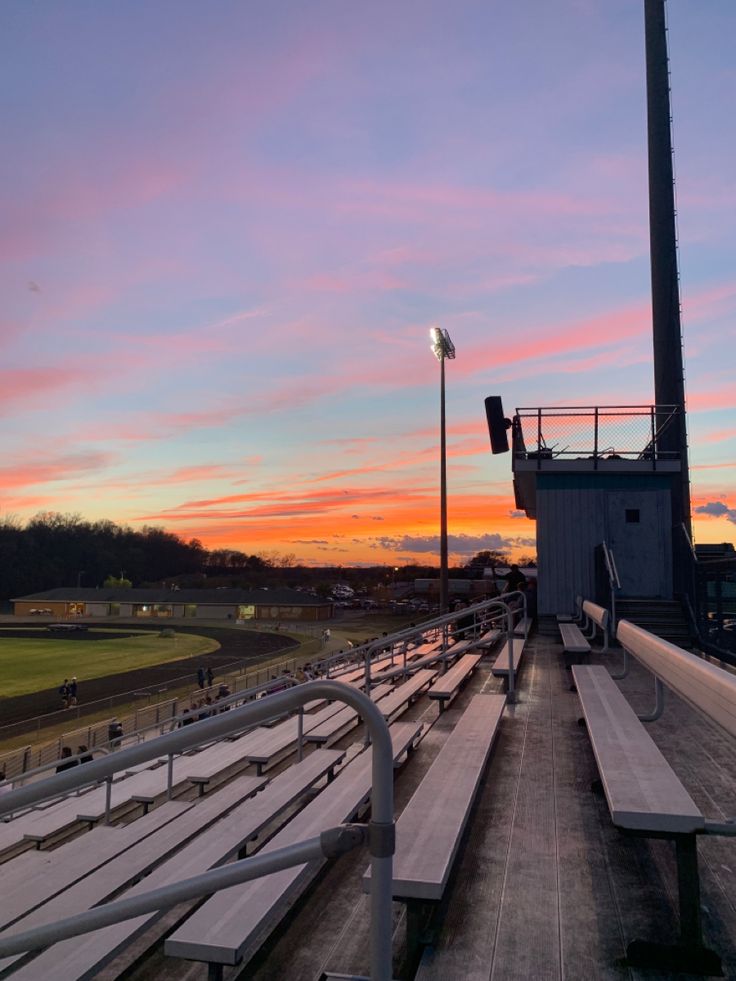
(199, 604)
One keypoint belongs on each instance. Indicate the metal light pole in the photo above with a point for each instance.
(443, 348)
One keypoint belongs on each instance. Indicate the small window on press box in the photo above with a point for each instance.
(632, 516)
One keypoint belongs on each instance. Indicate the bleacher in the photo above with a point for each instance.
(185, 837)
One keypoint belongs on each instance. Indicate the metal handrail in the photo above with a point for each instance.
(174, 721)
(613, 581)
(689, 541)
(380, 830)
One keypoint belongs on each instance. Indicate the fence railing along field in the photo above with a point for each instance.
(95, 735)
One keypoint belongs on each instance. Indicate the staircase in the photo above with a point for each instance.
(665, 618)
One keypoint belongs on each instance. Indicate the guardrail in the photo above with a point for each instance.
(483, 614)
(148, 717)
(596, 433)
(379, 833)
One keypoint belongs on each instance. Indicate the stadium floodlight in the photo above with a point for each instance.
(443, 349)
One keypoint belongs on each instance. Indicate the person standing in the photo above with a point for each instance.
(64, 692)
(5, 788)
(515, 579)
(66, 762)
(115, 733)
(210, 676)
(73, 692)
(200, 676)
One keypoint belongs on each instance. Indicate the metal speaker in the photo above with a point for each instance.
(497, 424)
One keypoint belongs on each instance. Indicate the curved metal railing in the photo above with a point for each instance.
(379, 833)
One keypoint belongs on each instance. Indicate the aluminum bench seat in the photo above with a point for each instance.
(343, 721)
(398, 700)
(573, 640)
(274, 745)
(500, 668)
(430, 827)
(642, 790)
(36, 877)
(489, 638)
(227, 838)
(645, 797)
(448, 685)
(125, 869)
(42, 822)
(523, 627)
(229, 927)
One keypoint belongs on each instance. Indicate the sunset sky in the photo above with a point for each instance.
(226, 228)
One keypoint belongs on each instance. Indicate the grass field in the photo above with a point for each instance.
(307, 650)
(30, 665)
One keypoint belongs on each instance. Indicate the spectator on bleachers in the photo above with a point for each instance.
(463, 625)
(66, 761)
(84, 754)
(515, 579)
(115, 733)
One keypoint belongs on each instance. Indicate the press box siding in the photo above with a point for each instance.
(577, 512)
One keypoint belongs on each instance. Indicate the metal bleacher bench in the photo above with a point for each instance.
(577, 617)
(35, 877)
(430, 828)
(573, 639)
(500, 668)
(342, 721)
(398, 700)
(126, 868)
(228, 837)
(230, 926)
(644, 795)
(448, 685)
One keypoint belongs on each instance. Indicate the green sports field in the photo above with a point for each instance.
(35, 664)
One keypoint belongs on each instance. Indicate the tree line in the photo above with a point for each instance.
(53, 550)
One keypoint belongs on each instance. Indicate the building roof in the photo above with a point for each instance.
(219, 597)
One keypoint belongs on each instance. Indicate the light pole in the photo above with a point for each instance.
(443, 348)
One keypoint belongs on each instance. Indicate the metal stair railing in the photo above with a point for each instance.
(613, 581)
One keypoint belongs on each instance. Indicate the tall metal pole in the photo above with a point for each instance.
(669, 385)
(444, 575)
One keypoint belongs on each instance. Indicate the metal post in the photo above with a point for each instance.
(444, 574)
(170, 777)
(510, 631)
(108, 799)
(595, 439)
(658, 703)
(300, 735)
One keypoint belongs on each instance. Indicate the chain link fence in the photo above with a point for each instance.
(612, 433)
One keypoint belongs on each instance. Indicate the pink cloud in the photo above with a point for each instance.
(719, 436)
(51, 468)
(720, 397)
